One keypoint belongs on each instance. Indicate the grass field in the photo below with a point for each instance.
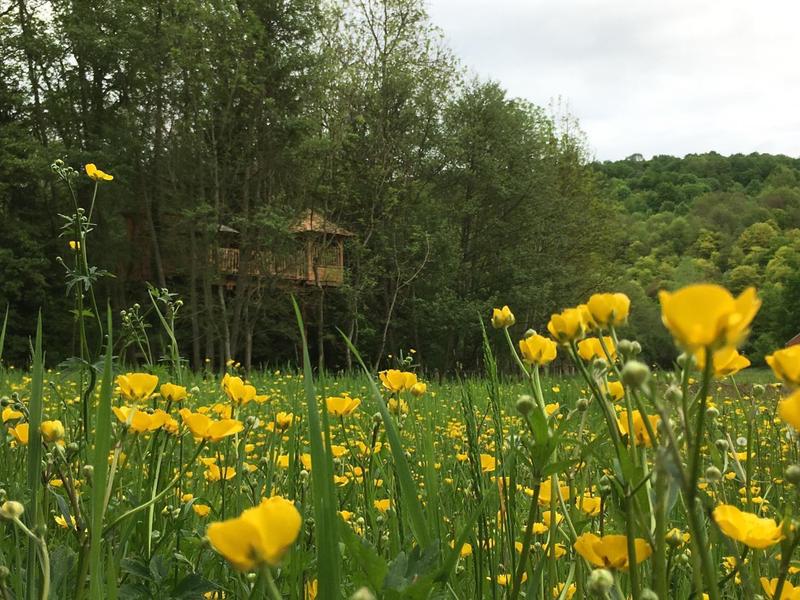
(523, 485)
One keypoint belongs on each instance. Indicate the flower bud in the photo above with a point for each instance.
(4, 572)
(674, 538)
(363, 594)
(758, 390)
(648, 594)
(793, 474)
(11, 509)
(525, 404)
(88, 472)
(721, 444)
(713, 473)
(529, 333)
(600, 582)
(635, 374)
(582, 404)
(625, 347)
(673, 394)
(712, 412)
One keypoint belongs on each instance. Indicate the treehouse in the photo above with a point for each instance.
(319, 260)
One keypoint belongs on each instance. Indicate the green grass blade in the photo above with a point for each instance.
(407, 485)
(3, 334)
(325, 517)
(102, 446)
(34, 468)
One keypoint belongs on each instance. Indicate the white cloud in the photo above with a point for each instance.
(670, 77)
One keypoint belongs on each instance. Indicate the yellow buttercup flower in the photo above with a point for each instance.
(488, 463)
(559, 589)
(20, 433)
(640, 435)
(341, 406)
(546, 491)
(590, 505)
(726, 360)
(137, 387)
(502, 318)
(789, 410)
(261, 535)
(382, 505)
(537, 350)
(140, 421)
(591, 348)
(214, 473)
(418, 389)
(52, 431)
(609, 309)
(398, 407)
(789, 592)
(708, 316)
(785, 364)
(201, 510)
(9, 414)
(238, 391)
(747, 528)
(610, 551)
(96, 174)
(397, 381)
(567, 326)
(62, 522)
(311, 588)
(616, 390)
(284, 420)
(173, 393)
(203, 427)
(74, 245)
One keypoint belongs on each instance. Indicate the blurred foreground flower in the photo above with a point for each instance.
(747, 528)
(259, 536)
(708, 316)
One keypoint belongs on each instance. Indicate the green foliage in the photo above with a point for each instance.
(730, 220)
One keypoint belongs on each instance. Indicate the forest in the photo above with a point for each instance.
(220, 116)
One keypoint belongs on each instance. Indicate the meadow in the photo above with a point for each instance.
(139, 478)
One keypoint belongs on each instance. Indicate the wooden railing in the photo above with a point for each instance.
(293, 269)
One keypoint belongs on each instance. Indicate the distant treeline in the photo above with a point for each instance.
(243, 114)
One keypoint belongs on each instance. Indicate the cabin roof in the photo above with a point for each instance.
(313, 221)
(794, 341)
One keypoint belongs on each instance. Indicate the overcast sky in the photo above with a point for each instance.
(648, 76)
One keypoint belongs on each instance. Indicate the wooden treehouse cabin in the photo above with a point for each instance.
(318, 261)
(315, 259)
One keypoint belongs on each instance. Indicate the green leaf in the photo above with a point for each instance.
(407, 485)
(193, 586)
(324, 493)
(102, 446)
(365, 557)
(3, 334)
(34, 466)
